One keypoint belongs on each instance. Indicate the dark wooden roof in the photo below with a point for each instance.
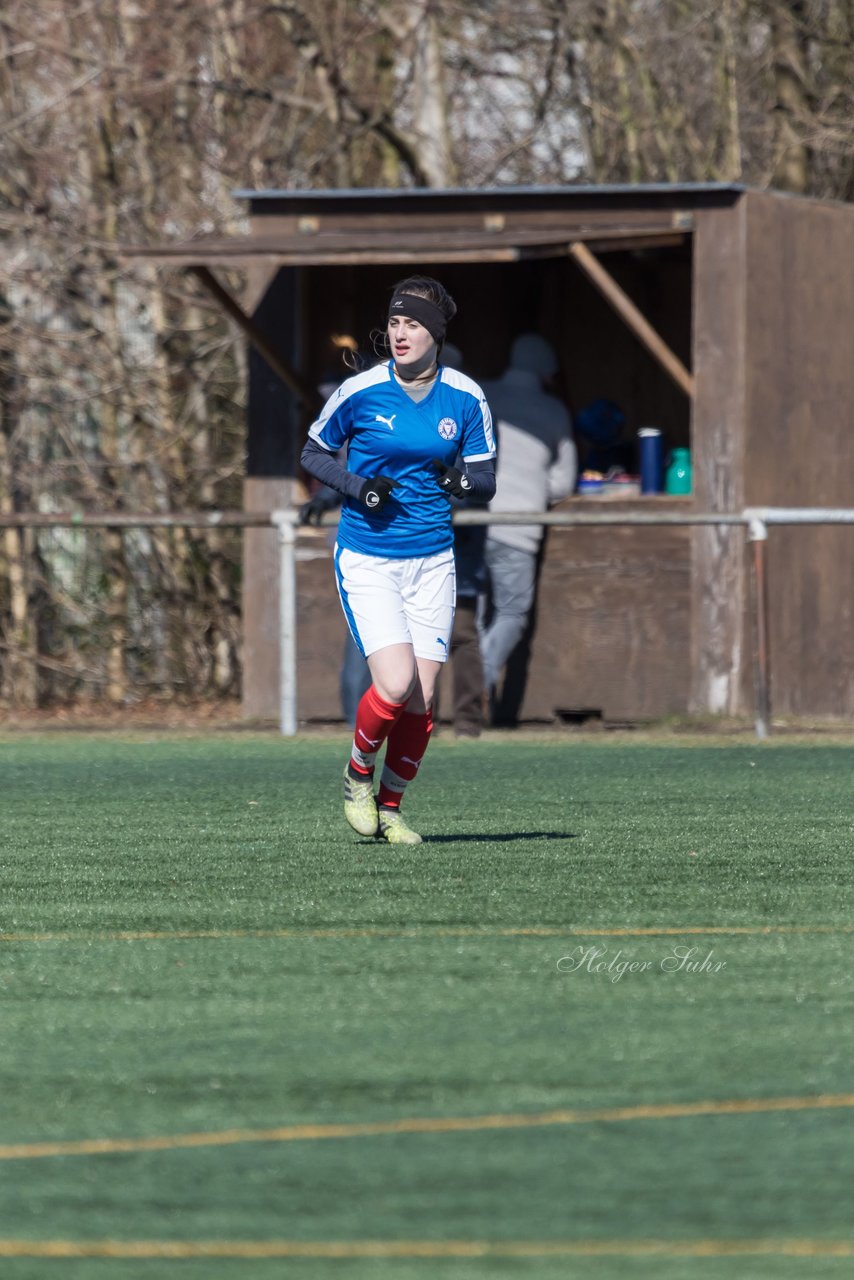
(458, 245)
(426, 225)
(364, 200)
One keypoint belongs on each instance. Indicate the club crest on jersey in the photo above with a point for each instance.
(448, 428)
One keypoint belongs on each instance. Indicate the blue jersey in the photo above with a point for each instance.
(388, 433)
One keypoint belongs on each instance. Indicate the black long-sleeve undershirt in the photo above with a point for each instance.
(326, 468)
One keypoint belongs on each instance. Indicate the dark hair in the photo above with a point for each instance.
(432, 290)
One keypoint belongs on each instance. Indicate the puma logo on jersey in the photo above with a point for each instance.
(388, 421)
(442, 642)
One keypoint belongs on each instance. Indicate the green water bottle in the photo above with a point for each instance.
(678, 477)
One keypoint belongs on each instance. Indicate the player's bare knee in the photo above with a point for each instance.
(396, 687)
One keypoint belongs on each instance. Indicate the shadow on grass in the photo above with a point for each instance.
(497, 837)
(501, 837)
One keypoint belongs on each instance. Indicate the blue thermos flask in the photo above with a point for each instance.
(651, 448)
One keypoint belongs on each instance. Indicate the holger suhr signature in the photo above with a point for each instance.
(678, 959)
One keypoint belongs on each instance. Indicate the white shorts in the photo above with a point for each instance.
(407, 601)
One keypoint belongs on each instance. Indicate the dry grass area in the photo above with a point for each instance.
(175, 715)
(149, 713)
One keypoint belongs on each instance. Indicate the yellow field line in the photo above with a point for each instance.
(426, 1248)
(437, 931)
(428, 1124)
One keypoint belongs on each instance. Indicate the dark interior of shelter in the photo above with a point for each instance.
(600, 357)
(308, 310)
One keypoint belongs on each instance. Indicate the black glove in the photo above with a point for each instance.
(311, 512)
(375, 493)
(452, 480)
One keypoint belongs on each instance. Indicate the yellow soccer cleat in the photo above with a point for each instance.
(360, 807)
(394, 830)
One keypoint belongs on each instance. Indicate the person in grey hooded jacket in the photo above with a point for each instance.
(536, 467)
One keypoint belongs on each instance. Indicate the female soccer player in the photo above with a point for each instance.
(416, 432)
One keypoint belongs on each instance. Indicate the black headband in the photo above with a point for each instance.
(422, 310)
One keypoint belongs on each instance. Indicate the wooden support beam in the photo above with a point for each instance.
(260, 274)
(634, 318)
(629, 244)
(291, 378)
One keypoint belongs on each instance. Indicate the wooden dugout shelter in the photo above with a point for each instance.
(721, 314)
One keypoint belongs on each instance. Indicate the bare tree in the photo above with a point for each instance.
(122, 121)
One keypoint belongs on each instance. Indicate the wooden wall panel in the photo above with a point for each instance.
(799, 440)
(811, 621)
(800, 342)
(613, 628)
(321, 631)
(312, 227)
(260, 600)
(720, 638)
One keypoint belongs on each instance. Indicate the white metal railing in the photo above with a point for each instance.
(756, 521)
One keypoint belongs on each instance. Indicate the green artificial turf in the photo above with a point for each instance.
(192, 942)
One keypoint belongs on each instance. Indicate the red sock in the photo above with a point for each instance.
(375, 719)
(407, 743)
